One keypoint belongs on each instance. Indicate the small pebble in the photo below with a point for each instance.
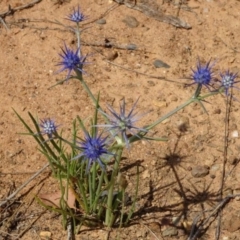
(225, 238)
(112, 55)
(189, 168)
(215, 167)
(235, 134)
(169, 232)
(183, 124)
(131, 46)
(151, 83)
(160, 64)
(45, 235)
(101, 21)
(131, 22)
(217, 111)
(200, 171)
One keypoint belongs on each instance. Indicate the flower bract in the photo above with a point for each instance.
(123, 122)
(77, 16)
(48, 127)
(228, 81)
(71, 61)
(92, 150)
(203, 74)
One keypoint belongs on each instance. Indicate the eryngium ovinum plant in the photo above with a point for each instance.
(89, 166)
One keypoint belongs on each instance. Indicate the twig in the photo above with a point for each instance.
(31, 224)
(23, 185)
(13, 10)
(214, 212)
(152, 9)
(3, 22)
(70, 235)
(142, 223)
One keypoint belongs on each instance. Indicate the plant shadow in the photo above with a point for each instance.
(187, 199)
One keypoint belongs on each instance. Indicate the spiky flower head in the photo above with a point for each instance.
(123, 122)
(203, 74)
(93, 148)
(71, 61)
(228, 81)
(48, 127)
(77, 16)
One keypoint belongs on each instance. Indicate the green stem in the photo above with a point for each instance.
(122, 211)
(170, 113)
(78, 32)
(94, 169)
(99, 188)
(87, 89)
(194, 98)
(90, 190)
(83, 195)
(109, 212)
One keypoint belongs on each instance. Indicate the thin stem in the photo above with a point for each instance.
(198, 91)
(94, 170)
(170, 113)
(78, 32)
(109, 212)
(83, 195)
(87, 89)
(188, 102)
(99, 188)
(122, 211)
(225, 153)
(90, 190)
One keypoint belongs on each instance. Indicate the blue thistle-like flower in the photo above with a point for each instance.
(71, 61)
(203, 74)
(77, 16)
(48, 127)
(122, 122)
(92, 150)
(228, 81)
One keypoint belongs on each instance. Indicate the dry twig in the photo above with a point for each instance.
(193, 235)
(11, 10)
(23, 185)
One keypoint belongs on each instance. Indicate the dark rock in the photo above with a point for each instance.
(217, 111)
(158, 64)
(200, 171)
(131, 22)
(112, 55)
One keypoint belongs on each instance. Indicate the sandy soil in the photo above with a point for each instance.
(170, 198)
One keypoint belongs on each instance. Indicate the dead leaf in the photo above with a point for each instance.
(53, 199)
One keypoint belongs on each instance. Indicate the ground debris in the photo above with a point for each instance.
(152, 9)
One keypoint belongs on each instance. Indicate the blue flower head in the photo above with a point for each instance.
(77, 16)
(71, 61)
(48, 127)
(228, 81)
(93, 148)
(123, 122)
(203, 74)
